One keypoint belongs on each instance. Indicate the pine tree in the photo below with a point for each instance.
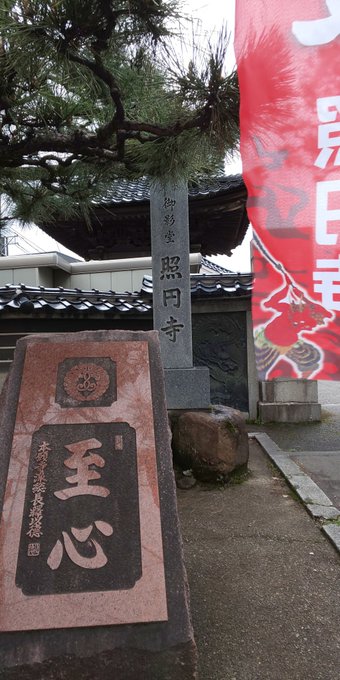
(91, 90)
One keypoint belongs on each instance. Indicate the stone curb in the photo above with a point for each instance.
(315, 500)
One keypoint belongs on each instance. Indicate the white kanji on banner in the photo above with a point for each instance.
(324, 214)
(328, 109)
(328, 282)
(319, 31)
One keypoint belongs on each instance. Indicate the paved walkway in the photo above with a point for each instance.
(264, 581)
(309, 457)
(264, 577)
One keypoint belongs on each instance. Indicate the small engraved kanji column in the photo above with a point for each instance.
(171, 272)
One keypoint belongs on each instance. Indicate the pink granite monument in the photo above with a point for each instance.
(92, 571)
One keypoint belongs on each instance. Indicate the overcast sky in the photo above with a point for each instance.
(210, 15)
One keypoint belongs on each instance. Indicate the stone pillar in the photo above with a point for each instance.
(186, 387)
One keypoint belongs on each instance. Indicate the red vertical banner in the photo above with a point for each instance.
(288, 58)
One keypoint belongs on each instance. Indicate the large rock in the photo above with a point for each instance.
(213, 443)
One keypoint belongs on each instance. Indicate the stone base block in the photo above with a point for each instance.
(213, 444)
(187, 388)
(289, 390)
(130, 664)
(292, 412)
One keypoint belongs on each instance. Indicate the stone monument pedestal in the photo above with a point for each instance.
(187, 388)
(289, 400)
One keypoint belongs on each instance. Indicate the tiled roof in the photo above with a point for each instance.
(31, 299)
(230, 285)
(210, 285)
(131, 191)
(120, 222)
(214, 267)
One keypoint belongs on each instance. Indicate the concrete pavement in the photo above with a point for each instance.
(264, 577)
(308, 455)
(264, 580)
(324, 468)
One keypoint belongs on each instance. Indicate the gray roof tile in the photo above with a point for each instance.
(35, 299)
(131, 191)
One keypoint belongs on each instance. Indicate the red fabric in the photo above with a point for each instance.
(288, 57)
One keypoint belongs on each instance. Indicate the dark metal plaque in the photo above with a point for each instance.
(81, 527)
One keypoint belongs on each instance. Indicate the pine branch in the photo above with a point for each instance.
(85, 97)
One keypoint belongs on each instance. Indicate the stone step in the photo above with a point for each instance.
(289, 412)
(285, 390)
(6, 353)
(4, 365)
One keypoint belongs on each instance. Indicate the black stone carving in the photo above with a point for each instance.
(80, 527)
(219, 342)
